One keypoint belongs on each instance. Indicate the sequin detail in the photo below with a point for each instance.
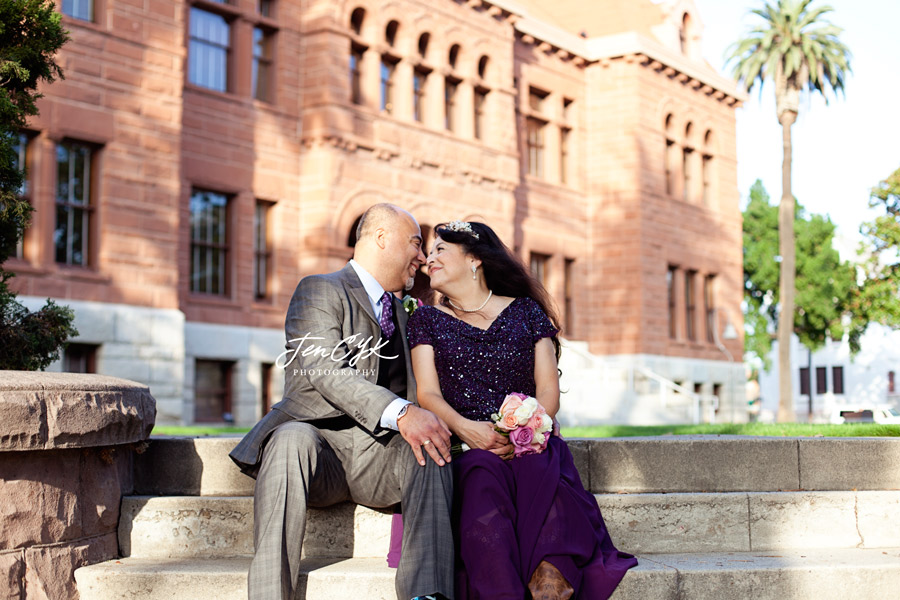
(476, 367)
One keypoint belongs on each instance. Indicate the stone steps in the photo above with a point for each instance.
(710, 517)
(704, 463)
(835, 574)
(222, 526)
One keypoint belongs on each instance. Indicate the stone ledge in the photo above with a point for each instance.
(47, 411)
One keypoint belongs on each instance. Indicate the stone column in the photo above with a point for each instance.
(66, 455)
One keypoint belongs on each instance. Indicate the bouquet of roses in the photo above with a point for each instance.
(526, 422)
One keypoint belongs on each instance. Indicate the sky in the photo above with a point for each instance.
(840, 151)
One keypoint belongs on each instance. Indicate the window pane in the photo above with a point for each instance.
(837, 376)
(80, 9)
(208, 52)
(73, 195)
(821, 380)
(208, 242)
(262, 64)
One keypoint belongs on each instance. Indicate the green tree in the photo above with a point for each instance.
(828, 297)
(881, 290)
(30, 35)
(798, 50)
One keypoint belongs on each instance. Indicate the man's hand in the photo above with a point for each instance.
(423, 429)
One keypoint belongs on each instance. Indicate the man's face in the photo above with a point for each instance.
(404, 256)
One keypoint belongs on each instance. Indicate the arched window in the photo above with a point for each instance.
(356, 56)
(685, 33)
(351, 235)
(390, 32)
(687, 164)
(707, 168)
(356, 20)
(669, 157)
(482, 67)
(423, 44)
(453, 56)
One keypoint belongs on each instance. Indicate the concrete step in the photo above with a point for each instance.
(794, 575)
(689, 464)
(189, 526)
(222, 526)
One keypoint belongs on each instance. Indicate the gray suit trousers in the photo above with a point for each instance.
(304, 466)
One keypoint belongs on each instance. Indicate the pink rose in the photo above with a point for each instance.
(508, 421)
(521, 439)
(512, 402)
(536, 422)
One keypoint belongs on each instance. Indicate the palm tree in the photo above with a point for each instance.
(798, 50)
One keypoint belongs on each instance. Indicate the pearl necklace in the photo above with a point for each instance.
(483, 304)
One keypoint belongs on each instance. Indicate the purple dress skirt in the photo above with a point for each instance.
(509, 515)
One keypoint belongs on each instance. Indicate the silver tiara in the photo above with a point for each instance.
(461, 226)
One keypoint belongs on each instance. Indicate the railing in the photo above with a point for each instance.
(667, 386)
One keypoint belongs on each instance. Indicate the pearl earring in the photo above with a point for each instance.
(474, 270)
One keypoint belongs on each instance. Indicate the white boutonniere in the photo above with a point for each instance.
(410, 304)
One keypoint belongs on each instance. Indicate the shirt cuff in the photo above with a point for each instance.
(389, 416)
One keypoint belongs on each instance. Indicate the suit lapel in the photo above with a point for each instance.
(358, 292)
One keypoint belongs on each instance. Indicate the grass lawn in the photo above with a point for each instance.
(605, 431)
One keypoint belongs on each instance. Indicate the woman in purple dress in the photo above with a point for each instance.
(525, 526)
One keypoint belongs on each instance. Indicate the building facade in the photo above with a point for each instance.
(202, 156)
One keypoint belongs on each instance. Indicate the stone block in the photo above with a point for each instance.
(798, 520)
(190, 467)
(850, 463)
(162, 527)
(660, 523)
(24, 418)
(581, 455)
(77, 411)
(133, 326)
(877, 518)
(12, 575)
(50, 569)
(40, 492)
(693, 464)
(649, 579)
(167, 329)
(134, 369)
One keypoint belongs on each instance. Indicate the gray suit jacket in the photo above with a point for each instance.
(330, 319)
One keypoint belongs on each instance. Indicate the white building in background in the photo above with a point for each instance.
(834, 379)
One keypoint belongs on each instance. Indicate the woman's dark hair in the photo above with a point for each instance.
(504, 273)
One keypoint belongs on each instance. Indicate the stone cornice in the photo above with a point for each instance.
(553, 39)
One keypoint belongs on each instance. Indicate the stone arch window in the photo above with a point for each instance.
(356, 21)
(420, 80)
(453, 56)
(670, 155)
(687, 165)
(452, 84)
(707, 169)
(352, 234)
(357, 50)
(482, 67)
(388, 68)
(390, 33)
(423, 44)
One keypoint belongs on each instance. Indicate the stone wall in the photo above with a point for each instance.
(66, 449)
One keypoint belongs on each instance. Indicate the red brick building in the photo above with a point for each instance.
(202, 156)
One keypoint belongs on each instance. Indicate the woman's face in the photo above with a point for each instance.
(447, 263)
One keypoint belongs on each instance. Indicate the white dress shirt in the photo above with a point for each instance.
(374, 291)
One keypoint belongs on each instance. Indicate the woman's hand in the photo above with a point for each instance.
(482, 435)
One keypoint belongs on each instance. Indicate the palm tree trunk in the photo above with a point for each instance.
(788, 272)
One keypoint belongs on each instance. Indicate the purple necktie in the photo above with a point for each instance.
(387, 312)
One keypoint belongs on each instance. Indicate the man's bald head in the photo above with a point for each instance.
(379, 216)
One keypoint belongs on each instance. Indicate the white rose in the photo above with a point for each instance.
(524, 412)
(546, 423)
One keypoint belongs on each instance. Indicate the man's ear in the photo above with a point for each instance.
(381, 235)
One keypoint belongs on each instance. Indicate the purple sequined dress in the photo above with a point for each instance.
(509, 515)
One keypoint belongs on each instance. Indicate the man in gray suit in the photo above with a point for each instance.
(348, 427)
